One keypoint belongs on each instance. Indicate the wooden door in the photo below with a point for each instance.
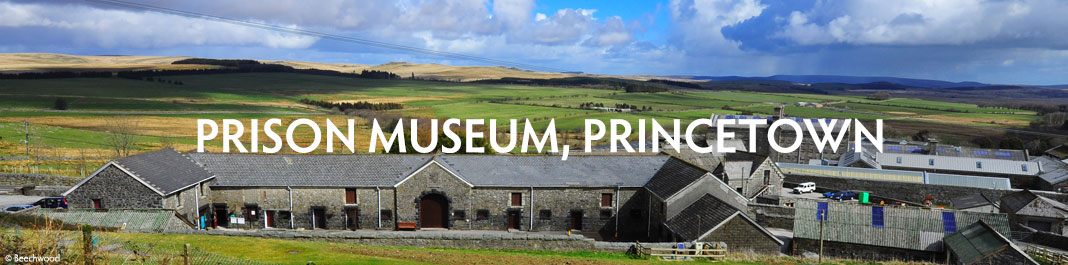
(432, 209)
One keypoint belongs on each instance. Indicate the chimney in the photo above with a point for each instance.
(780, 112)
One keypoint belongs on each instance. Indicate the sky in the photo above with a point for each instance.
(990, 41)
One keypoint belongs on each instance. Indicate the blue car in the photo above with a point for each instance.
(829, 194)
(845, 195)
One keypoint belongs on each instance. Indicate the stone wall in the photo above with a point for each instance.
(772, 216)
(893, 190)
(740, 236)
(115, 189)
(436, 239)
(864, 252)
(275, 200)
(185, 203)
(20, 179)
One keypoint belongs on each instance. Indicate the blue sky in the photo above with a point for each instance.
(992, 41)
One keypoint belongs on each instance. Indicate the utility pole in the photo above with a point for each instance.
(822, 216)
(27, 140)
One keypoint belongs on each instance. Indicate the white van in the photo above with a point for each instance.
(805, 187)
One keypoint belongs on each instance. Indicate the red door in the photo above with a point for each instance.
(270, 218)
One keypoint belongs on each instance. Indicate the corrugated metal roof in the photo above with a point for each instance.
(979, 240)
(903, 227)
(550, 171)
(896, 175)
(1055, 177)
(958, 164)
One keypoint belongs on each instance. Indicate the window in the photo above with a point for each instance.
(767, 177)
(178, 200)
(606, 214)
(821, 211)
(350, 196)
(459, 214)
(545, 214)
(930, 161)
(739, 190)
(386, 215)
(1023, 167)
(251, 212)
(949, 221)
(877, 216)
(97, 204)
(482, 214)
(606, 200)
(517, 199)
(283, 215)
(899, 160)
(201, 187)
(978, 164)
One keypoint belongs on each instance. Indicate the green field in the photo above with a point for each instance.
(173, 108)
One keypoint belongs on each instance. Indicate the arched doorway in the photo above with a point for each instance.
(433, 211)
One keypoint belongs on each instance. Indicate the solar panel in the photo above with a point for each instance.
(893, 148)
(949, 221)
(981, 152)
(1002, 154)
(730, 116)
(915, 149)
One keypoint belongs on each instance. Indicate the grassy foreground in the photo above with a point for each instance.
(115, 247)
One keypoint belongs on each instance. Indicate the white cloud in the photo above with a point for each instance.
(699, 23)
(120, 28)
(920, 22)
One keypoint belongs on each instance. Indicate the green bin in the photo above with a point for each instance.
(863, 197)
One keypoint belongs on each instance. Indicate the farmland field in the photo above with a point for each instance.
(167, 111)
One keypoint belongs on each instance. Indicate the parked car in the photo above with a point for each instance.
(805, 187)
(16, 208)
(845, 195)
(830, 194)
(52, 202)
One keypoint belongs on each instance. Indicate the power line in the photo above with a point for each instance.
(325, 35)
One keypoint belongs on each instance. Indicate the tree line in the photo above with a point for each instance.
(345, 106)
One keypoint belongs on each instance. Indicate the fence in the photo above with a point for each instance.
(1055, 258)
(116, 251)
(707, 251)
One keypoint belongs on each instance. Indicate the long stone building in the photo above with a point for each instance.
(611, 197)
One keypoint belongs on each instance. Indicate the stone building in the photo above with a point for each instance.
(1034, 211)
(161, 179)
(785, 137)
(604, 196)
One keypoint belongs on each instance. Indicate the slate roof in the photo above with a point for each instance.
(970, 201)
(673, 177)
(979, 240)
(700, 217)
(550, 171)
(1026, 202)
(1060, 151)
(903, 227)
(166, 171)
(706, 161)
(257, 170)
